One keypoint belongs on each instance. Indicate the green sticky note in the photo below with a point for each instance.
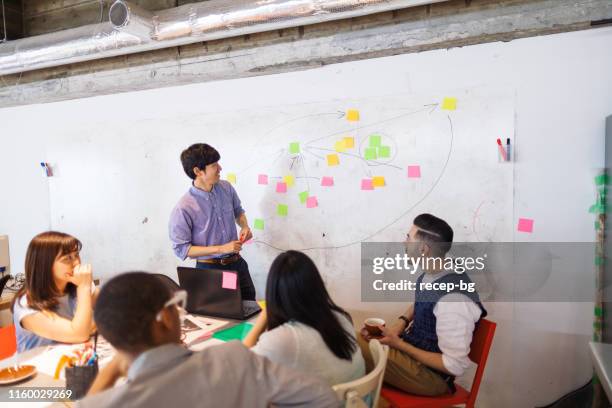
(597, 209)
(259, 224)
(303, 196)
(597, 226)
(282, 210)
(597, 325)
(237, 332)
(384, 151)
(294, 147)
(598, 311)
(375, 141)
(370, 153)
(601, 180)
(599, 261)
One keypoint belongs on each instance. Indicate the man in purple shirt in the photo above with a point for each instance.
(202, 224)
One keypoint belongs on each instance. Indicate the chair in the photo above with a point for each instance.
(354, 391)
(8, 341)
(481, 344)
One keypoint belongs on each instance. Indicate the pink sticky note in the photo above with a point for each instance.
(249, 242)
(312, 202)
(366, 184)
(229, 280)
(327, 181)
(263, 179)
(281, 187)
(414, 171)
(525, 225)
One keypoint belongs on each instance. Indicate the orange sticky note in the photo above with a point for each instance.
(333, 160)
(449, 104)
(352, 115)
(349, 142)
(378, 181)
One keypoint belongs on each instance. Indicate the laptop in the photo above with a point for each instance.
(214, 292)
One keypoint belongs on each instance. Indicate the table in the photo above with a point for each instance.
(45, 358)
(601, 355)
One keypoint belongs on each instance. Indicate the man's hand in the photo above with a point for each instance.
(389, 337)
(245, 234)
(231, 247)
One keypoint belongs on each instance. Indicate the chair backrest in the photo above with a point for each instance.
(479, 352)
(8, 342)
(354, 391)
(3, 281)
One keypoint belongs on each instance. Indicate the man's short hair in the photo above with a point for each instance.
(126, 308)
(435, 232)
(198, 155)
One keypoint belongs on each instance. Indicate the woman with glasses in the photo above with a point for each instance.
(302, 327)
(56, 301)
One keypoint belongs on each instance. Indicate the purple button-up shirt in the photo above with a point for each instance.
(203, 218)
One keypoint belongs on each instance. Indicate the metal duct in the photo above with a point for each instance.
(132, 29)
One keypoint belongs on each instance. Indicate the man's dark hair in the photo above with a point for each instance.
(198, 155)
(435, 232)
(126, 308)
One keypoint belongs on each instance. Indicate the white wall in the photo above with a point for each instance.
(563, 94)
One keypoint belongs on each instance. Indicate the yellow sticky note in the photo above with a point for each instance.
(378, 181)
(349, 142)
(352, 115)
(262, 303)
(333, 160)
(340, 146)
(231, 177)
(289, 180)
(449, 104)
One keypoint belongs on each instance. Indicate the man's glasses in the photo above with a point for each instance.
(179, 299)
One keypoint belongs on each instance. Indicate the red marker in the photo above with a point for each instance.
(501, 149)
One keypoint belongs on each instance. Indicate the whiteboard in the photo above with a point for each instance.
(116, 183)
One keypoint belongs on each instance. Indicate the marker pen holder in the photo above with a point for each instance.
(508, 153)
(80, 378)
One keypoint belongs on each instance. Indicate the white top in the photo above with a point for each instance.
(456, 316)
(301, 347)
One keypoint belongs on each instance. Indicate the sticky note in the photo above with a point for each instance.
(349, 142)
(370, 153)
(366, 184)
(602, 179)
(525, 225)
(599, 261)
(289, 180)
(378, 181)
(352, 115)
(327, 181)
(414, 171)
(281, 187)
(231, 177)
(282, 210)
(312, 202)
(375, 141)
(449, 103)
(384, 152)
(259, 224)
(262, 179)
(229, 280)
(303, 196)
(294, 147)
(339, 146)
(333, 160)
(262, 303)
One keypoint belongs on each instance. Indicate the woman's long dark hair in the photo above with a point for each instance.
(295, 291)
(39, 286)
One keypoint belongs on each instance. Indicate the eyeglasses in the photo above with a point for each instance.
(179, 299)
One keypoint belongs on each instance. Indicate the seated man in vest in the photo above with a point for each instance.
(429, 344)
(138, 315)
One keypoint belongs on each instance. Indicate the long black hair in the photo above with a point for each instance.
(295, 291)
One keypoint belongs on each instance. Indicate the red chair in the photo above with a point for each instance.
(8, 342)
(481, 344)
